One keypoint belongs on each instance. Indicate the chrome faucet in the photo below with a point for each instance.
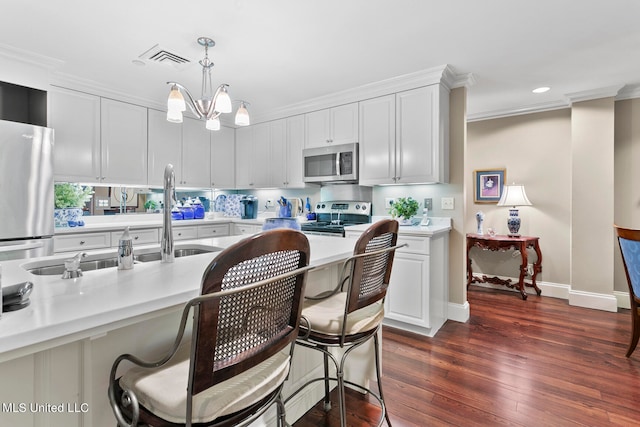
(72, 266)
(166, 246)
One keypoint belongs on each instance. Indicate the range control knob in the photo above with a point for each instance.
(357, 207)
(364, 207)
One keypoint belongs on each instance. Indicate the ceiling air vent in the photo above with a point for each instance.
(160, 55)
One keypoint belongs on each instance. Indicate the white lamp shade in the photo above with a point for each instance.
(242, 116)
(213, 124)
(175, 102)
(514, 195)
(223, 102)
(174, 116)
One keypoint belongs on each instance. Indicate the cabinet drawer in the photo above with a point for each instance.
(416, 245)
(139, 237)
(246, 229)
(218, 230)
(185, 233)
(81, 242)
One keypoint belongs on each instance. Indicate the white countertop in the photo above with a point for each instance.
(436, 226)
(67, 310)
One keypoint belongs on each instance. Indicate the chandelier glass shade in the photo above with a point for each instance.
(211, 104)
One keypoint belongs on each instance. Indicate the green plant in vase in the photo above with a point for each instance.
(68, 202)
(151, 205)
(404, 209)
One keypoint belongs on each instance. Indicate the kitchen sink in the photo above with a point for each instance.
(180, 252)
(97, 262)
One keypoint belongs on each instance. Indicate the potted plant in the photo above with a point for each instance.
(404, 209)
(69, 200)
(151, 205)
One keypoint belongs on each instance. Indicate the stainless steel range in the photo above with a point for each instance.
(333, 216)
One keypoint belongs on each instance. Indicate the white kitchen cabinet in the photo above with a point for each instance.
(185, 232)
(139, 237)
(244, 156)
(295, 144)
(165, 146)
(260, 159)
(75, 118)
(278, 156)
(123, 131)
(418, 293)
(337, 125)
(404, 137)
(213, 230)
(196, 154)
(81, 241)
(246, 229)
(377, 148)
(223, 157)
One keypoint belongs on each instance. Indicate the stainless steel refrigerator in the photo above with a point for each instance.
(26, 190)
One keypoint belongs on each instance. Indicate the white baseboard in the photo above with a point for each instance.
(593, 300)
(458, 312)
(623, 299)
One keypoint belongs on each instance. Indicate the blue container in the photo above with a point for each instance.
(187, 212)
(198, 210)
(285, 211)
(176, 214)
(272, 223)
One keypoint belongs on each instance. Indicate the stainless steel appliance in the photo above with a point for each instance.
(332, 164)
(333, 216)
(26, 190)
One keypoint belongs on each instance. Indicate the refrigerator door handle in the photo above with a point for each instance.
(15, 248)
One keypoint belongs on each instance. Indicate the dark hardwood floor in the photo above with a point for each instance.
(538, 362)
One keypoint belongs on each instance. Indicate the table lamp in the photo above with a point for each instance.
(513, 195)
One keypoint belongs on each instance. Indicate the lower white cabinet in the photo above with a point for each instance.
(185, 232)
(246, 229)
(139, 237)
(217, 230)
(418, 293)
(81, 241)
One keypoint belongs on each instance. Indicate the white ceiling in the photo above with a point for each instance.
(280, 52)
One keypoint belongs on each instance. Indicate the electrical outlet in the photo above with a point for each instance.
(388, 202)
(269, 203)
(447, 203)
(428, 204)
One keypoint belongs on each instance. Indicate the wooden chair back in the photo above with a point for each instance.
(235, 332)
(629, 241)
(370, 275)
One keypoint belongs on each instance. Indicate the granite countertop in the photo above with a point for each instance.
(62, 311)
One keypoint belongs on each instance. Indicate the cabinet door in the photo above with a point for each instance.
(223, 167)
(165, 146)
(295, 144)
(278, 164)
(317, 128)
(124, 142)
(421, 136)
(244, 156)
(196, 154)
(75, 118)
(408, 294)
(344, 124)
(377, 141)
(260, 156)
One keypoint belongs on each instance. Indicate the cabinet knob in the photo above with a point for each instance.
(82, 242)
(135, 238)
(179, 234)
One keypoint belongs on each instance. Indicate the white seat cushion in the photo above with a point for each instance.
(326, 315)
(163, 391)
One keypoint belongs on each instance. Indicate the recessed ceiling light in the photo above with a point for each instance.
(542, 89)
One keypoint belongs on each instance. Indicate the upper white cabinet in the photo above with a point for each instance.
(337, 125)
(75, 118)
(377, 148)
(196, 155)
(223, 158)
(244, 156)
(123, 131)
(295, 143)
(165, 146)
(404, 137)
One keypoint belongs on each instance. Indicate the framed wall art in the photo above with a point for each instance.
(488, 185)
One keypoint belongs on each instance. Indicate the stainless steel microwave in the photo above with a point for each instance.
(331, 164)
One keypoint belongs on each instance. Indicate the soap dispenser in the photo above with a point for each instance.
(425, 217)
(125, 251)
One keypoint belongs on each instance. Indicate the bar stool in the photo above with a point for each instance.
(244, 327)
(351, 314)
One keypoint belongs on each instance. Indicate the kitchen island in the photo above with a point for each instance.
(55, 354)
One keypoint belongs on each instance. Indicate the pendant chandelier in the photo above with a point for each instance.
(211, 104)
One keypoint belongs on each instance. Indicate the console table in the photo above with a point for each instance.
(503, 243)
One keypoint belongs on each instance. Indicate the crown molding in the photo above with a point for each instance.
(518, 111)
(443, 74)
(588, 95)
(27, 57)
(628, 92)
